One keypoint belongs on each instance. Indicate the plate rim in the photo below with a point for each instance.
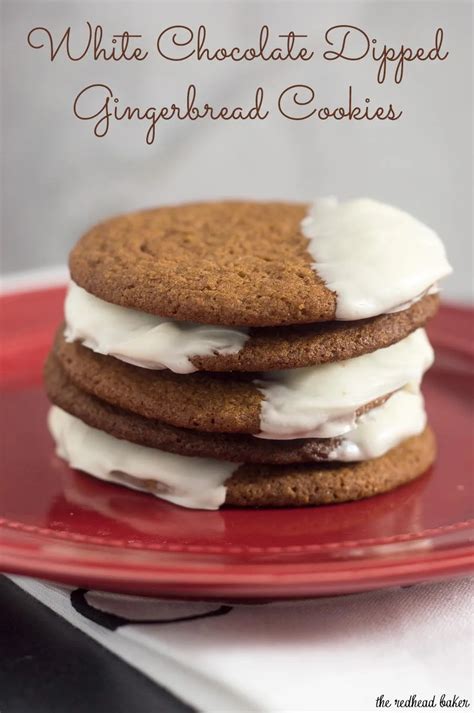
(78, 538)
(326, 578)
(161, 574)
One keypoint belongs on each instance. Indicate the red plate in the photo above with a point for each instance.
(59, 524)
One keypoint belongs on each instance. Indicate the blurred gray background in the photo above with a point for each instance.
(58, 179)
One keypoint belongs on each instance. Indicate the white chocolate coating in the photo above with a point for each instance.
(182, 480)
(321, 401)
(377, 258)
(381, 429)
(143, 339)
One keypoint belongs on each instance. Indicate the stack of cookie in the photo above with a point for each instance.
(252, 354)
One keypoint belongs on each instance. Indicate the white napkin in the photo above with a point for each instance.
(334, 653)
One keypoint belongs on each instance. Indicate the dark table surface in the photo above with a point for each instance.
(49, 666)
